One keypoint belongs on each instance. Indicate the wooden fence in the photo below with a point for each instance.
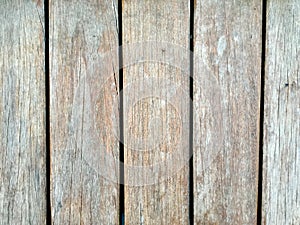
(194, 120)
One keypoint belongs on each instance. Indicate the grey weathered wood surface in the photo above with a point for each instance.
(226, 111)
(281, 168)
(22, 113)
(160, 201)
(84, 112)
(81, 32)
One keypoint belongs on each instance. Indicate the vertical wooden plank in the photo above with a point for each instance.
(226, 110)
(83, 89)
(155, 112)
(22, 113)
(281, 177)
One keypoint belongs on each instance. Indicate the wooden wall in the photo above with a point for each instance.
(91, 133)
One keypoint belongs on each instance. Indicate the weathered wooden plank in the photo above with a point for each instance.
(281, 177)
(155, 111)
(22, 113)
(84, 187)
(226, 110)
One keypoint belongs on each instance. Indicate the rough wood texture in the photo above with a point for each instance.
(152, 120)
(281, 178)
(22, 113)
(226, 110)
(81, 32)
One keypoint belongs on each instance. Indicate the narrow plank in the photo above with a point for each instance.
(155, 111)
(226, 110)
(84, 187)
(281, 177)
(22, 113)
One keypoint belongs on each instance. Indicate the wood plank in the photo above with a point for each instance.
(22, 113)
(281, 177)
(83, 91)
(226, 110)
(155, 113)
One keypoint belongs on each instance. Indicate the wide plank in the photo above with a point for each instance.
(281, 168)
(227, 59)
(22, 113)
(83, 69)
(156, 111)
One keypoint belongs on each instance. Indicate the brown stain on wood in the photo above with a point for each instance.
(39, 3)
(104, 48)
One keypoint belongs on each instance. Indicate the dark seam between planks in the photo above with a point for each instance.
(121, 114)
(261, 122)
(191, 163)
(47, 96)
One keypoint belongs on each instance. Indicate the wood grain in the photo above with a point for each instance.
(22, 113)
(281, 177)
(226, 111)
(152, 120)
(83, 90)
